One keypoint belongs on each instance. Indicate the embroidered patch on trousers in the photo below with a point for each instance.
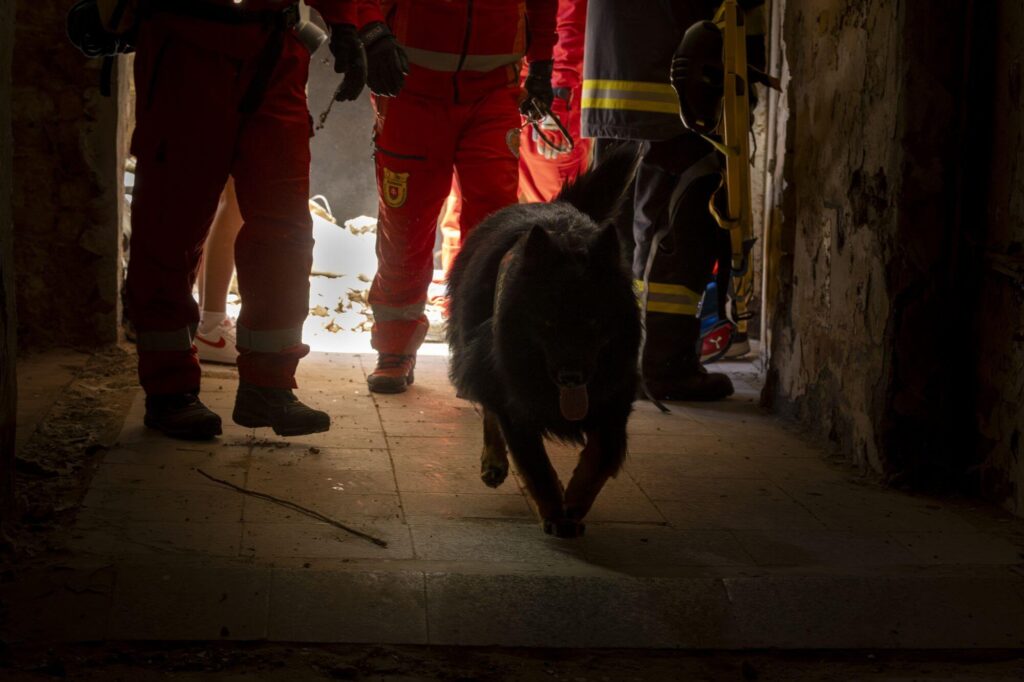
(512, 139)
(396, 188)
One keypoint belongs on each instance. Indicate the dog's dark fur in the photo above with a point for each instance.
(567, 316)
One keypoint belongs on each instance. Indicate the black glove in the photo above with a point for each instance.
(388, 63)
(538, 82)
(349, 59)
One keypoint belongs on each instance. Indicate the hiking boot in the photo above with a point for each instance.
(394, 373)
(671, 365)
(182, 416)
(699, 386)
(278, 408)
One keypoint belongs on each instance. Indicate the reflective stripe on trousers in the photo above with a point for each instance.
(267, 341)
(674, 299)
(389, 313)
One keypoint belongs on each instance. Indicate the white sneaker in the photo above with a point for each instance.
(740, 347)
(218, 345)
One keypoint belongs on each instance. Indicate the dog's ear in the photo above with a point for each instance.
(539, 248)
(606, 248)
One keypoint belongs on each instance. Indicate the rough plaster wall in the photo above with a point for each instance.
(841, 177)
(67, 184)
(1000, 408)
(8, 392)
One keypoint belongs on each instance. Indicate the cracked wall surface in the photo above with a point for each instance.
(841, 176)
(66, 188)
(864, 348)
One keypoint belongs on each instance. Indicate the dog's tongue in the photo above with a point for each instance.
(574, 402)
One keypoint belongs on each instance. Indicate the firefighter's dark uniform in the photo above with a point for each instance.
(627, 95)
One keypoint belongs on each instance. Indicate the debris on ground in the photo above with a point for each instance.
(55, 464)
(361, 225)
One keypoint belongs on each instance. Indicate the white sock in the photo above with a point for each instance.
(208, 321)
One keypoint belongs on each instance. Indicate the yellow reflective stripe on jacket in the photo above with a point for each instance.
(450, 61)
(674, 299)
(631, 95)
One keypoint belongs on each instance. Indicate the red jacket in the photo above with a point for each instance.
(462, 49)
(568, 53)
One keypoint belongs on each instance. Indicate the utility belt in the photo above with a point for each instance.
(96, 35)
(284, 18)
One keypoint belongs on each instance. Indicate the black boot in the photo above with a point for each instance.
(181, 415)
(278, 408)
(671, 363)
(697, 385)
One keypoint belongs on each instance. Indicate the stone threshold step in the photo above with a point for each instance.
(968, 608)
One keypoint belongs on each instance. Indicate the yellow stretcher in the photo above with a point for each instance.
(731, 137)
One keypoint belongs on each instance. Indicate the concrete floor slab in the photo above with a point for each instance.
(168, 602)
(727, 529)
(310, 605)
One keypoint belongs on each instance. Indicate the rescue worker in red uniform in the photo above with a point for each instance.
(221, 91)
(458, 111)
(544, 169)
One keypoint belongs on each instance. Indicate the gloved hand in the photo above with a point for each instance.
(538, 82)
(388, 63)
(349, 59)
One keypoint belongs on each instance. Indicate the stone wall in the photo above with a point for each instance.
(1000, 322)
(67, 186)
(8, 382)
(839, 216)
(863, 341)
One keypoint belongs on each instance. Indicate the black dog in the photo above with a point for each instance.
(544, 334)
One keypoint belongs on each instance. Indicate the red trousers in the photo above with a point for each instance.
(541, 179)
(191, 77)
(419, 142)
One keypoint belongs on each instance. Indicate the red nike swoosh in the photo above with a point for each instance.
(220, 343)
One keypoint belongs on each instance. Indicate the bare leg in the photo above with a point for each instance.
(219, 254)
(494, 458)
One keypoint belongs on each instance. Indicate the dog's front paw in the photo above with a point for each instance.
(493, 475)
(564, 528)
